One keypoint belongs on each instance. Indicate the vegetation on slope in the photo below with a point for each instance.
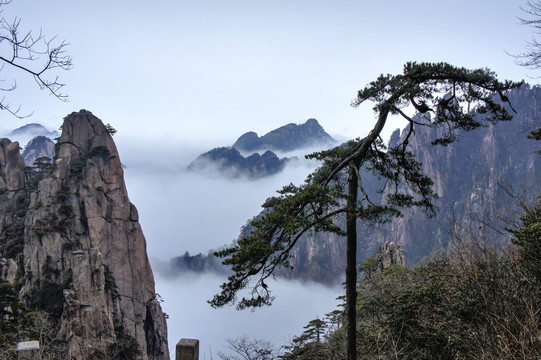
(475, 303)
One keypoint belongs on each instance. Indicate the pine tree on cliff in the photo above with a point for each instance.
(336, 188)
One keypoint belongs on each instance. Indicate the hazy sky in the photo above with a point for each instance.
(176, 78)
(202, 71)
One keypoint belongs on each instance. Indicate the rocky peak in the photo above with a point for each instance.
(286, 138)
(229, 162)
(395, 137)
(252, 156)
(12, 164)
(84, 257)
(391, 254)
(40, 146)
(248, 142)
(13, 205)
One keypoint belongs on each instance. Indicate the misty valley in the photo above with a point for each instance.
(197, 202)
(270, 180)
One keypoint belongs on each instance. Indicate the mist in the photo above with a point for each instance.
(183, 211)
(190, 316)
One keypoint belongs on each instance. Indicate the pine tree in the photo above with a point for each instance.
(314, 329)
(335, 189)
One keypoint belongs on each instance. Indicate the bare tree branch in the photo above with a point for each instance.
(33, 55)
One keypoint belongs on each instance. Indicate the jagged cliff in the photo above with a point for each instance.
(73, 246)
(472, 177)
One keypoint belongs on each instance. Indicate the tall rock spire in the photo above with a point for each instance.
(85, 258)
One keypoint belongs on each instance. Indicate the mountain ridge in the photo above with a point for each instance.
(230, 163)
(33, 128)
(286, 138)
(243, 159)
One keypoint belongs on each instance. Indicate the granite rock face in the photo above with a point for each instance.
(472, 178)
(84, 257)
(391, 254)
(13, 205)
(14, 165)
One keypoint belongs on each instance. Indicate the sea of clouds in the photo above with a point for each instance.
(184, 211)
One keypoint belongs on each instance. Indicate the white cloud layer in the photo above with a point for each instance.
(184, 211)
(190, 316)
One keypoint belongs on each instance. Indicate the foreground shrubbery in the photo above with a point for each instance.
(18, 323)
(472, 304)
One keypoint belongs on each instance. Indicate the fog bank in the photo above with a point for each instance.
(183, 211)
(190, 316)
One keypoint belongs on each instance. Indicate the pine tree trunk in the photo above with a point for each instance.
(351, 265)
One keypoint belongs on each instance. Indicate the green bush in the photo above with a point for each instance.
(12, 239)
(77, 166)
(479, 304)
(110, 283)
(101, 151)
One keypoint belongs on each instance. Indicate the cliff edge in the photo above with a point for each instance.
(83, 256)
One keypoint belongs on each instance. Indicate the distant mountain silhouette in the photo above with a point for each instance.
(25, 136)
(286, 138)
(229, 161)
(32, 130)
(40, 146)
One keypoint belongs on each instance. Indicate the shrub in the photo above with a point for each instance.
(110, 129)
(101, 151)
(110, 283)
(77, 166)
(482, 305)
(12, 239)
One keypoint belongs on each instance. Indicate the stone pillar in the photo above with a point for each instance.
(391, 254)
(187, 349)
(28, 350)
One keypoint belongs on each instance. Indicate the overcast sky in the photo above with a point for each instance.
(208, 71)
